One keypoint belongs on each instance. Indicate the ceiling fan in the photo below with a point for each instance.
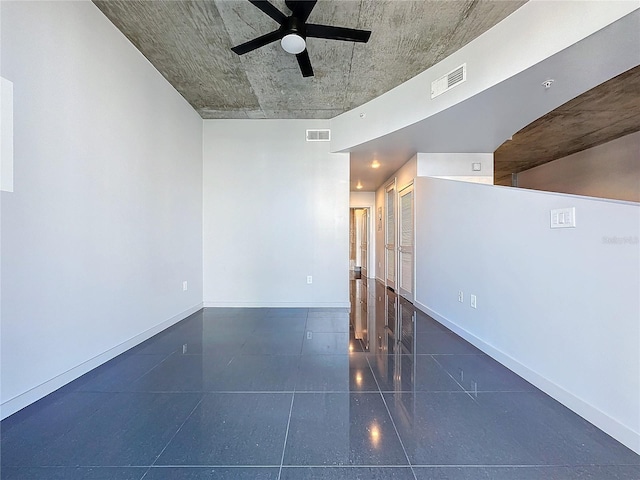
(294, 31)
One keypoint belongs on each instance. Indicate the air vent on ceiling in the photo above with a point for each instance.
(319, 135)
(448, 81)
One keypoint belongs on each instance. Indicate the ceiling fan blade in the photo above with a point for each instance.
(301, 8)
(337, 33)
(305, 63)
(270, 10)
(257, 42)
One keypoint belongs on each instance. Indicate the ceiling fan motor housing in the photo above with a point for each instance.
(295, 26)
(293, 30)
(293, 39)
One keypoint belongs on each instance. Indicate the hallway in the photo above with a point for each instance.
(383, 393)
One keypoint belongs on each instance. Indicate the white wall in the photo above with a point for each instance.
(6, 135)
(105, 220)
(276, 209)
(456, 166)
(560, 307)
(610, 170)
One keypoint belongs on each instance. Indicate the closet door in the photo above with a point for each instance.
(390, 236)
(406, 247)
(364, 243)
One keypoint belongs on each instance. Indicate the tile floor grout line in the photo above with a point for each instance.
(154, 367)
(146, 472)
(453, 354)
(195, 392)
(350, 466)
(454, 379)
(293, 396)
(210, 465)
(179, 429)
(286, 435)
(404, 450)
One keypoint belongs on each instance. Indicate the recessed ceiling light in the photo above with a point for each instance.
(359, 186)
(375, 164)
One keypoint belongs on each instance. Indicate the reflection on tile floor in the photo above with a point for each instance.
(382, 393)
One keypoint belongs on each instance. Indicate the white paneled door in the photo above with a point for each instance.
(364, 243)
(406, 247)
(390, 235)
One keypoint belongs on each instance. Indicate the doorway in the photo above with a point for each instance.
(359, 219)
(364, 242)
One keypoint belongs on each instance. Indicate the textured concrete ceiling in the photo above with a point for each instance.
(189, 43)
(604, 113)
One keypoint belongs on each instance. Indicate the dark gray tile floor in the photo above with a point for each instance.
(290, 394)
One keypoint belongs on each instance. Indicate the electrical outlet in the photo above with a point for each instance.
(460, 296)
(473, 301)
(184, 286)
(309, 335)
(309, 279)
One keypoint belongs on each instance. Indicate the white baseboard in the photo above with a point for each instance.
(276, 305)
(604, 422)
(11, 406)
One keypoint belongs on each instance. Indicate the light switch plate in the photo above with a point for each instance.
(563, 217)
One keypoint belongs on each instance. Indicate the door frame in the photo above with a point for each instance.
(388, 247)
(364, 236)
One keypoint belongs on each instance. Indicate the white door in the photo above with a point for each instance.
(390, 235)
(364, 242)
(406, 247)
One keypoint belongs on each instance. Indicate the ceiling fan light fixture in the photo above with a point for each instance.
(293, 43)
(294, 30)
